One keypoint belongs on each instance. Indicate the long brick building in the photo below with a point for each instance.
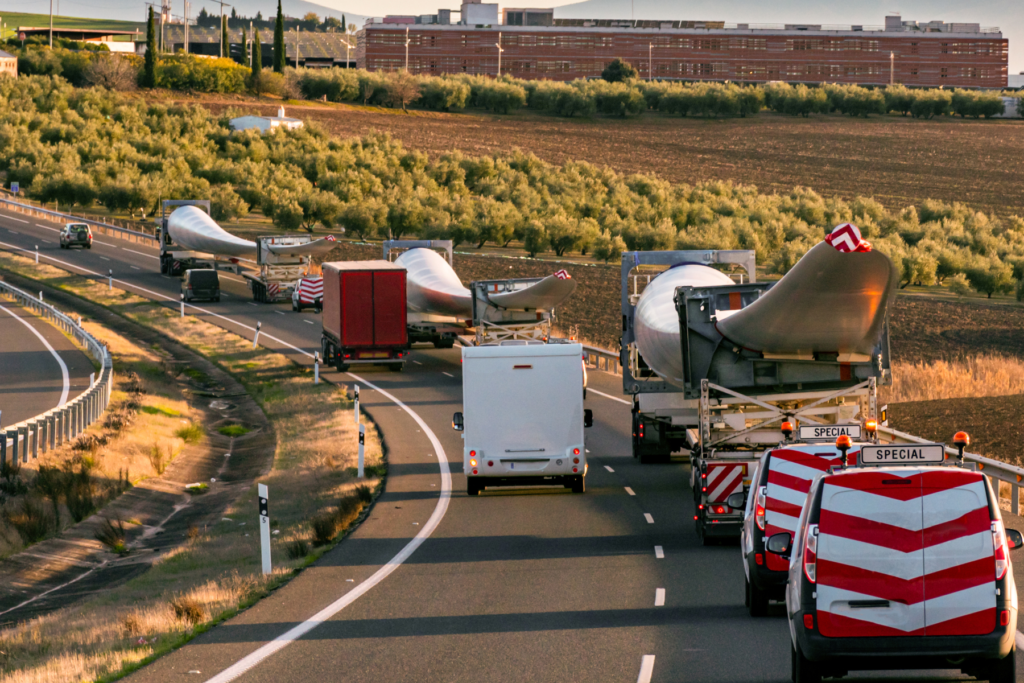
(932, 54)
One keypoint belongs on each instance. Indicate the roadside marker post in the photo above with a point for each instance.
(37, 258)
(110, 279)
(92, 379)
(256, 337)
(261, 491)
(316, 367)
(362, 439)
(40, 291)
(356, 411)
(182, 305)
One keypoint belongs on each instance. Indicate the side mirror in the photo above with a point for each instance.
(588, 417)
(779, 544)
(737, 501)
(457, 422)
(1014, 539)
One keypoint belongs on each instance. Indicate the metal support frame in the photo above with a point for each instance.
(447, 245)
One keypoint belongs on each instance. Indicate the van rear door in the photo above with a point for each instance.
(870, 560)
(959, 561)
(790, 473)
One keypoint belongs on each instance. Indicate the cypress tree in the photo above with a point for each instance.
(257, 55)
(225, 42)
(344, 26)
(279, 55)
(245, 47)
(149, 70)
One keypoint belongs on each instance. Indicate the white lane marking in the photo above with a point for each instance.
(308, 321)
(45, 240)
(659, 552)
(233, 279)
(608, 468)
(104, 258)
(445, 373)
(106, 244)
(13, 232)
(647, 516)
(163, 297)
(47, 227)
(587, 450)
(614, 398)
(252, 303)
(248, 662)
(417, 362)
(279, 312)
(60, 361)
(135, 268)
(630, 491)
(646, 669)
(16, 219)
(659, 597)
(1020, 640)
(140, 253)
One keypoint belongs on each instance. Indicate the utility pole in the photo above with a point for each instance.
(252, 38)
(186, 26)
(406, 49)
(892, 67)
(297, 29)
(348, 49)
(222, 46)
(650, 61)
(500, 50)
(51, 24)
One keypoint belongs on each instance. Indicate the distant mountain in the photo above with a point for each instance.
(132, 10)
(1009, 16)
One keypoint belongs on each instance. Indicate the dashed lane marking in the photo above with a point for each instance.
(135, 268)
(445, 373)
(608, 468)
(132, 251)
(647, 516)
(659, 552)
(659, 597)
(630, 491)
(646, 669)
(47, 227)
(309, 321)
(608, 396)
(17, 219)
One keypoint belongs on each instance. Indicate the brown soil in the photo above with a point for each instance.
(895, 159)
(923, 329)
(994, 423)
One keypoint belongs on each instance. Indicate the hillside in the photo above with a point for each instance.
(112, 16)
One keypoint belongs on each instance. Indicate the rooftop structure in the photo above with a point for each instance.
(315, 49)
(265, 124)
(116, 41)
(931, 54)
(8, 64)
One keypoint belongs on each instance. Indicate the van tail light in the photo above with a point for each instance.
(809, 622)
(1004, 617)
(762, 494)
(999, 543)
(811, 554)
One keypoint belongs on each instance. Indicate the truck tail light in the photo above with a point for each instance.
(472, 454)
(348, 355)
(762, 494)
(811, 556)
(809, 622)
(575, 461)
(576, 451)
(641, 430)
(999, 542)
(472, 462)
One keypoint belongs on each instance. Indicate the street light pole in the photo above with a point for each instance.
(500, 50)
(297, 29)
(892, 67)
(51, 24)
(407, 49)
(650, 61)
(348, 49)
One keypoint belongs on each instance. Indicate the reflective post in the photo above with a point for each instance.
(355, 389)
(362, 439)
(256, 336)
(316, 367)
(264, 496)
(110, 276)
(37, 261)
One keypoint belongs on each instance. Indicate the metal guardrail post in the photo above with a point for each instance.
(23, 441)
(1015, 499)
(51, 429)
(34, 429)
(3, 450)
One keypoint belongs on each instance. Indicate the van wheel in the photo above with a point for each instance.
(746, 592)
(804, 670)
(757, 603)
(578, 485)
(1005, 669)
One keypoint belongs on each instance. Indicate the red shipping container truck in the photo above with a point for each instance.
(364, 314)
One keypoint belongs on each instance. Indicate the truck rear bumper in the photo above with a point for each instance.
(552, 480)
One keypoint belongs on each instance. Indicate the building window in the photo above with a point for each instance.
(550, 41)
(913, 72)
(913, 48)
(943, 72)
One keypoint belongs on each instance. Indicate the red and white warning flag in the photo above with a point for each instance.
(330, 238)
(563, 274)
(846, 237)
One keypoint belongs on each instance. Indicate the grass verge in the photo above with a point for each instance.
(217, 573)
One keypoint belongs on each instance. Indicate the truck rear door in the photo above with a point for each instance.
(959, 562)
(790, 473)
(870, 559)
(357, 308)
(389, 308)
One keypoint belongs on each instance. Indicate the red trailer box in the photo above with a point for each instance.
(364, 314)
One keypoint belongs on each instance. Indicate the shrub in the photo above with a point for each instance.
(959, 285)
(234, 430)
(297, 549)
(188, 609)
(112, 535)
(30, 520)
(618, 70)
(444, 94)
(364, 493)
(325, 527)
(192, 73)
(501, 98)
(190, 433)
(337, 85)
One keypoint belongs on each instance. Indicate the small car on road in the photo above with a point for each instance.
(75, 235)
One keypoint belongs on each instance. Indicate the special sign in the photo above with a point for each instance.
(903, 454)
(829, 432)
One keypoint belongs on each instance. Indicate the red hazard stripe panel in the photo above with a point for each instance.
(909, 591)
(900, 539)
(883, 483)
(840, 626)
(788, 481)
(821, 462)
(975, 624)
(783, 507)
(723, 481)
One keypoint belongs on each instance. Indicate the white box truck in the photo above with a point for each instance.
(523, 417)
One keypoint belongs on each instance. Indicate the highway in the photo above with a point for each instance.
(514, 585)
(40, 367)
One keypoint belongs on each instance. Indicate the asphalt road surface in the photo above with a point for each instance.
(514, 585)
(40, 368)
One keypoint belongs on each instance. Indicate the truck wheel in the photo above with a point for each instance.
(472, 488)
(757, 604)
(342, 367)
(216, 298)
(396, 367)
(804, 670)
(578, 485)
(1004, 670)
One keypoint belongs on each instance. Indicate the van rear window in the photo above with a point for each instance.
(204, 278)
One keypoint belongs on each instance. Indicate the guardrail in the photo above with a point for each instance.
(99, 226)
(602, 359)
(62, 424)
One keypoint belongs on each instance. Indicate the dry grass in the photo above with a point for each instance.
(218, 571)
(985, 375)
